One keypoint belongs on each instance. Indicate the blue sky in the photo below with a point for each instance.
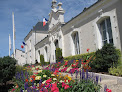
(27, 13)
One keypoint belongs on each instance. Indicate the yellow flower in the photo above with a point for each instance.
(38, 78)
(77, 60)
(44, 76)
(23, 69)
(57, 75)
(69, 78)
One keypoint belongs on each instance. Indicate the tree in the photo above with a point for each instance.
(58, 54)
(7, 68)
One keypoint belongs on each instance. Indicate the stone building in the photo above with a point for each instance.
(20, 57)
(92, 28)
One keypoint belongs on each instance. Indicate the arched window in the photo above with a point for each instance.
(75, 38)
(45, 54)
(106, 31)
(56, 44)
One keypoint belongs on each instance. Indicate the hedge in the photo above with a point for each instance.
(80, 56)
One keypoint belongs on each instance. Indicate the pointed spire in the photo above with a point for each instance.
(54, 4)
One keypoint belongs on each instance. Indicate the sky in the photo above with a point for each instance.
(26, 14)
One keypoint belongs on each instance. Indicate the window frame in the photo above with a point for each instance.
(107, 34)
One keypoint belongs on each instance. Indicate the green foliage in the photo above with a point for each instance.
(42, 62)
(116, 71)
(7, 68)
(26, 65)
(105, 58)
(120, 56)
(44, 72)
(82, 86)
(19, 68)
(58, 54)
(80, 56)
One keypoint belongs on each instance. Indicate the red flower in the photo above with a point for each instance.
(88, 50)
(108, 90)
(26, 80)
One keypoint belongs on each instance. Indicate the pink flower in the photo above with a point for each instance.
(54, 88)
(66, 87)
(65, 63)
(35, 73)
(13, 89)
(59, 62)
(63, 84)
(48, 81)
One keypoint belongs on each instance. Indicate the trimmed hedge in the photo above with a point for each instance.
(58, 54)
(80, 56)
(42, 62)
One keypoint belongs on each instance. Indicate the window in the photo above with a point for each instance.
(106, 31)
(30, 44)
(76, 43)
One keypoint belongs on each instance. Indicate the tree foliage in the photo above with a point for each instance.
(7, 68)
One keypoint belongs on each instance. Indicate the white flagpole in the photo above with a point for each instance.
(9, 44)
(13, 36)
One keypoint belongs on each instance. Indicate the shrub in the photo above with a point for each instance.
(42, 59)
(58, 54)
(80, 56)
(7, 69)
(116, 71)
(105, 58)
(19, 68)
(42, 62)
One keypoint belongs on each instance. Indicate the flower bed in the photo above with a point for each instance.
(49, 79)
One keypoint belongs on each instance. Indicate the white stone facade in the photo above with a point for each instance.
(87, 25)
(20, 57)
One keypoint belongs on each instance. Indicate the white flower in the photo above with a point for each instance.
(38, 78)
(39, 71)
(44, 76)
(43, 82)
(54, 79)
(52, 75)
(61, 81)
(68, 69)
(37, 84)
(33, 68)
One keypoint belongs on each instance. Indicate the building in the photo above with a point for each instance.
(20, 57)
(92, 28)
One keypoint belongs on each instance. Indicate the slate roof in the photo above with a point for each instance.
(39, 27)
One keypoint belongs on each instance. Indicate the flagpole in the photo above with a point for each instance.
(13, 36)
(9, 44)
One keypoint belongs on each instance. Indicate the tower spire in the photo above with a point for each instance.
(54, 4)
